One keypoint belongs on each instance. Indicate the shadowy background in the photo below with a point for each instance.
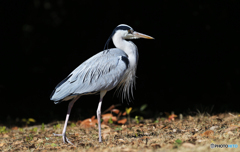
(193, 63)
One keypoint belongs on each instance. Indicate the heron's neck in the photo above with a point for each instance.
(128, 47)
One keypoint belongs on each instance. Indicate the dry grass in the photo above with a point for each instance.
(188, 134)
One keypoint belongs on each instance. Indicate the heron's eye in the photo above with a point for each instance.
(129, 31)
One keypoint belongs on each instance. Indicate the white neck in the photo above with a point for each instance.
(128, 47)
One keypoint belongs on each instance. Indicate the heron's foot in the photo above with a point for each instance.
(65, 139)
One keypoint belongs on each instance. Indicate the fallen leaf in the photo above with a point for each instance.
(140, 141)
(230, 133)
(188, 145)
(78, 122)
(121, 141)
(232, 115)
(15, 128)
(110, 108)
(124, 114)
(2, 144)
(5, 136)
(107, 116)
(87, 123)
(122, 121)
(145, 137)
(105, 126)
(108, 130)
(39, 141)
(195, 135)
(201, 140)
(17, 142)
(228, 119)
(213, 128)
(190, 118)
(124, 127)
(116, 111)
(213, 117)
(171, 117)
(208, 133)
(126, 150)
(93, 117)
(105, 135)
(231, 128)
(155, 146)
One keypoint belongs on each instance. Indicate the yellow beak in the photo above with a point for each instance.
(140, 35)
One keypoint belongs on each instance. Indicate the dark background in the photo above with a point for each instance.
(193, 63)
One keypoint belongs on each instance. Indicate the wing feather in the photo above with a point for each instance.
(102, 71)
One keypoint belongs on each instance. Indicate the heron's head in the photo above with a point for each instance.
(127, 32)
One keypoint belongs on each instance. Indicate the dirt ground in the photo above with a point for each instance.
(173, 133)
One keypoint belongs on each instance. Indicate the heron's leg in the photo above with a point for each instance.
(102, 94)
(70, 105)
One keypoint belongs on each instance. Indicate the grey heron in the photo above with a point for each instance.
(110, 68)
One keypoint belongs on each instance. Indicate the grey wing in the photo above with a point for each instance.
(102, 71)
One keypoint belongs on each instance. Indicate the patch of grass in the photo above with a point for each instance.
(110, 121)
(73, 125)
(43, 127)
(3, 129)
(35, 129)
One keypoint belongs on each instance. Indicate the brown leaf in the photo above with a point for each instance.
(155, 146)
(195, 135)
(110, 108)
(93, 117)
(87, 123)
(18, 142)
(188, 145)
(190, 118)
(5, 136)
(165, 127)
(124, 114)
(232, 127)
(171, 117)
(105, 126)
(116, 111)
(208, 133)
(121, 141)
(107, 116)
(105, 135)
(124, 127)
(230, 133)
(145, 137)
(15, 128)
(79, 122)
(122, 121)
(213, 117)
(2, 144)
(140, 141)
(39, 141)
(227, 119)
